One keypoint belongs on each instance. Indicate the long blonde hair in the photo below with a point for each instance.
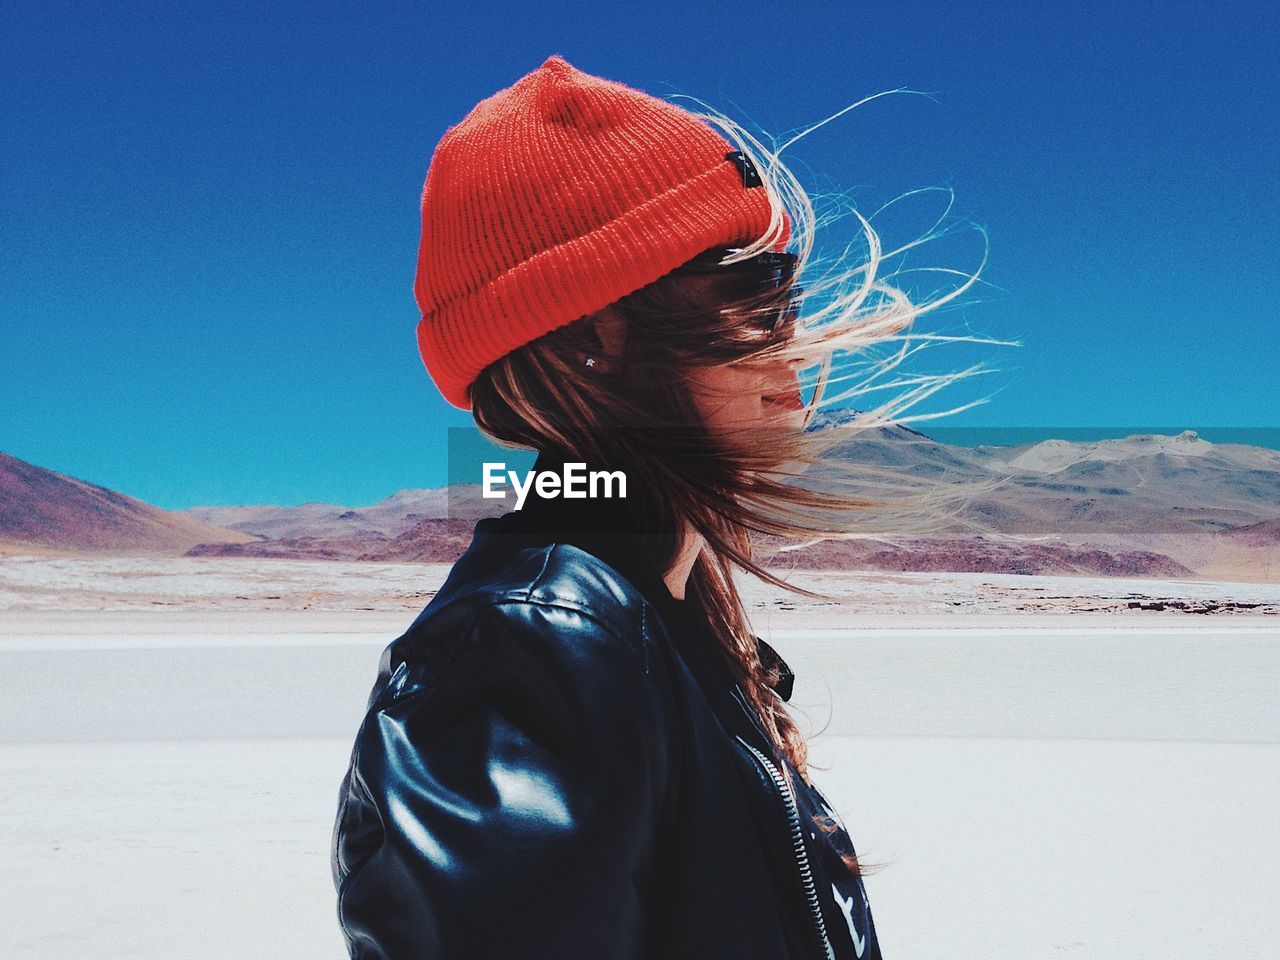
(634, 412)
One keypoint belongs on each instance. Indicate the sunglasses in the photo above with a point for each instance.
(770, 270)
(774, 269)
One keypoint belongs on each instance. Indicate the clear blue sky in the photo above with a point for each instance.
(210, 212)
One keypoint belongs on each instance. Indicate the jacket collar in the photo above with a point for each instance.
(609, 530)
(606, 528)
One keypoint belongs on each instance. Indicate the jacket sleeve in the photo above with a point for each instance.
(505, 804)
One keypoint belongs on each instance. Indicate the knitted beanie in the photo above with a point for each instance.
(554, 198)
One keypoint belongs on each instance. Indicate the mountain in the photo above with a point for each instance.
(1251, 552)
(48, 512)
(1142, 483)
(979, 554)
(1265, 534)
(1142, 505)
(386, 519)
(431, 540)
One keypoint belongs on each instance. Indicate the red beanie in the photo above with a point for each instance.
(557, 196)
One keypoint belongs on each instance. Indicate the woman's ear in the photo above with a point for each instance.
(611, 330)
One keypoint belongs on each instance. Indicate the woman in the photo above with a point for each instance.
(579, 748)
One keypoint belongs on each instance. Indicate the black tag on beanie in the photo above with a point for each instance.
(750, 175)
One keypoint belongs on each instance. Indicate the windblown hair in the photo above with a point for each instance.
(634, 410)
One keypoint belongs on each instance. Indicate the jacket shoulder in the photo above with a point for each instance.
(563, 575)
(556, 575)
(554, 584)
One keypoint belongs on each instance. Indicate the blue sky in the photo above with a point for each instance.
(210, 213)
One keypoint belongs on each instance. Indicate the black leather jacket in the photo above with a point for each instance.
(551, 766)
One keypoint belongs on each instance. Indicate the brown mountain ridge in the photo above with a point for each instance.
(42, 511)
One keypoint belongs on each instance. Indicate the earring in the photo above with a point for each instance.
(599, 366)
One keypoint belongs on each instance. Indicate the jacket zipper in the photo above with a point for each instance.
(797, 843)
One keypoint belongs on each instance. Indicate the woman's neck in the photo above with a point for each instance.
(677, 576)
